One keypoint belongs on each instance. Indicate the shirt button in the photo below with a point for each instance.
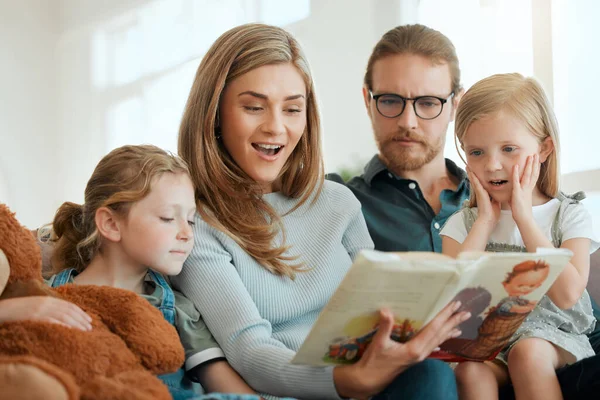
(412, 185)
(436, 225)
(390, 175)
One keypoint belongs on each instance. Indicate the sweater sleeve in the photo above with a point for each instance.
(212, 282)
(356, 237)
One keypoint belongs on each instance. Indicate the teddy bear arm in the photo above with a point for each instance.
(28, 377)
(136, 321)
(130, 385)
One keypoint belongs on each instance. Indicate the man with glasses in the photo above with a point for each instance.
(411, 90)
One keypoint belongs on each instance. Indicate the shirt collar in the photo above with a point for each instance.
(373, 168)
(376, 166)
(147, 279)
(456, 171)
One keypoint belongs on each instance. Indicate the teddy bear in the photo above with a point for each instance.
(129, 344)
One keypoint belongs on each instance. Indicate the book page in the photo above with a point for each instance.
(501, 290)
(466, 276)
(408, 287)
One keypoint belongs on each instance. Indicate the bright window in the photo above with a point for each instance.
(144, 62)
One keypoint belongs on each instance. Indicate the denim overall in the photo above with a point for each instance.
(180, 387)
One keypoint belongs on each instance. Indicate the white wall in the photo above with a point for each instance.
(81, 114)
(28, 107)
(89, 103)
(338, 52)
(575, 40)
(67, 98)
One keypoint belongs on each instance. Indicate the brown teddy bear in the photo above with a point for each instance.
(129, 345)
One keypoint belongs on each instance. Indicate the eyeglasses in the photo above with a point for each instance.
(426, 107)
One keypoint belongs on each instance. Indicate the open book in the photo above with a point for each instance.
(499, 289)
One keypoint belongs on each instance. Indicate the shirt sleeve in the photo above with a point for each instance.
(210, 279)
(577, 223)
(198, 343)
(455, 227)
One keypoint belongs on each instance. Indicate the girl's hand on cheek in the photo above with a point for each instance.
(488, 209)
(521, 202)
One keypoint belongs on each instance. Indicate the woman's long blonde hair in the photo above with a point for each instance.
(121, 178)
(227, 198)
(523, 98)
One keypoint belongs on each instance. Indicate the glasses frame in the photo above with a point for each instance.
(406, 99)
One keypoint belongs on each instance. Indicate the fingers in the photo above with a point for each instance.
(384, 330)
(74, 316)
(531, 172)
(526, 178)
(451, 315)
(457, 319)
(48, 309)
(58, 322)
(449, 310)
(449, 322)
(442, 327)
(73, 321)
(76, 311)
(516, 178)
(473, 178)
(480, 192)
(60, 311)
(454, 333)
(536, 169)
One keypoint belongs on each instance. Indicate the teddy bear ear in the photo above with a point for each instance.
(20, 248)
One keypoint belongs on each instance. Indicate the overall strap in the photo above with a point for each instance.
(469, 217)
(565, 202)
(63, 277)
(167, 305)
(494, 247)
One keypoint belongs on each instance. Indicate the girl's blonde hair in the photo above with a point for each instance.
(121, 178)
(227, 198)
(524, 99)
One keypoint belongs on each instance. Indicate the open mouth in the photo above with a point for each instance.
(267, 149)
(498, 182)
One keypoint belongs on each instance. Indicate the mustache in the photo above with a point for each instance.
(405, 135)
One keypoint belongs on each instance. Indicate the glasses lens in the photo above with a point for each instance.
(390, 105)
(428, 107)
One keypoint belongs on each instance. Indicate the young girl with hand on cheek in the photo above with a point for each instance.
(508, 131)
(134, 227)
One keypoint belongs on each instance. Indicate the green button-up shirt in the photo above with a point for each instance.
(397, 214)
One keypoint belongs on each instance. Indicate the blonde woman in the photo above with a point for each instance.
(509, 134)
(273, 239)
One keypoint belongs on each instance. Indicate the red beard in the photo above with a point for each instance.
(401, 158)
